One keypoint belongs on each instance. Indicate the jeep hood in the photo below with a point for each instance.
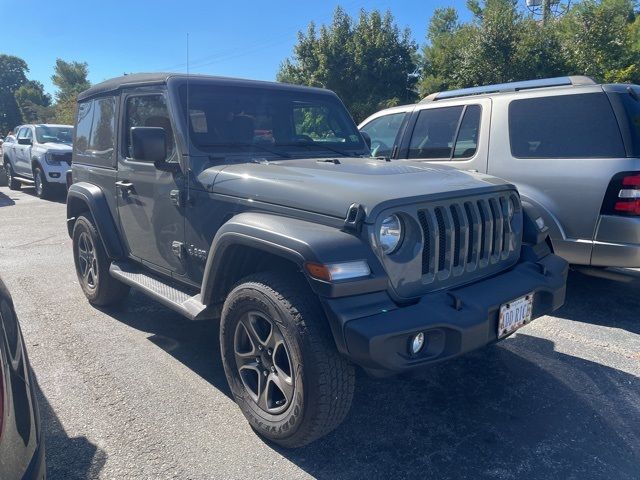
(330, 187)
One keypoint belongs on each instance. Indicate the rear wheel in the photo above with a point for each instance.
(92, 266)
(11, 177)
(281, 362)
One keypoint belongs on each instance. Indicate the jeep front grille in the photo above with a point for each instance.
(467, 236)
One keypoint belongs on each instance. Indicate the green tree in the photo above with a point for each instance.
(500, 44)
(369, 63)
(13, 74)
(71, 79)
(602, 40)
(34, 103)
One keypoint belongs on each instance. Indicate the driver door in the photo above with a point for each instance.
(22, 155)
(151, 217)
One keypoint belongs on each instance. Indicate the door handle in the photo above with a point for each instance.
(124, 185)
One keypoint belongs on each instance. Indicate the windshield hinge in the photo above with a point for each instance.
(355, 218)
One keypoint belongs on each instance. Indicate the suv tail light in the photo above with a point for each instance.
(623, 195)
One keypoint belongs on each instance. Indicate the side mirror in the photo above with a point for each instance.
(25, 141)
(149, 144)
(366, 138)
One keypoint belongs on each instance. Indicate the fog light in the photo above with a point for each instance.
(417, 342)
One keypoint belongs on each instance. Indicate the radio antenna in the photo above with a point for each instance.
(188, 115)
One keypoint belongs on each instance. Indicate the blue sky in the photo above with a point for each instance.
(239, 38)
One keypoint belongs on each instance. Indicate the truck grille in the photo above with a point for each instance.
(62, 157)
(467, 236)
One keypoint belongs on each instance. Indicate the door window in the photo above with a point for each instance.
(564, 126)
(83, 127)
(435, 132)
(148, 111)
(383, 132)
(24, 132)
(467, 139)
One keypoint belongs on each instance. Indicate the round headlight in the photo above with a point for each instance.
(390, 234)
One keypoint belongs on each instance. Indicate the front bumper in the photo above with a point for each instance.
(454, 322)
(57, 173)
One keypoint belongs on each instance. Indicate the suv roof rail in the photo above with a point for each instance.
(511, 87)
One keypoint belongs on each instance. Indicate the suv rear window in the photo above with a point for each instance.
(565, 126)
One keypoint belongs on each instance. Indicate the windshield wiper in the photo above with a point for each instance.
(248, 145)
(321, 145)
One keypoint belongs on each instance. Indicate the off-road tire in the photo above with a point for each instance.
(42, 187)
(105, 290)
(11, 178)
(324, 380)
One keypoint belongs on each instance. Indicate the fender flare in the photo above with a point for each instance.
(297, 241)
(86, 196)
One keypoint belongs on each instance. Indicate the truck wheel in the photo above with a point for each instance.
(281, 362)
(92, 266)
(43, 189)
(11, 178)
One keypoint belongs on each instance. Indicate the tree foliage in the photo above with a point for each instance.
(13, 74)
(599, 38)
(370, 63)
(34, 103)
(71, 79)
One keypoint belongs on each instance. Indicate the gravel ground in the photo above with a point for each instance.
(139, 392)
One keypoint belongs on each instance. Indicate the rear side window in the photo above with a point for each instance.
(383, 132)
(102, 139)
(95, 132)
(631, 104)
(83, 127)
(566, 126)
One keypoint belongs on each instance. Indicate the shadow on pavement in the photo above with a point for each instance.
(518, 409)
(195, 344)
(68, 458)
(602, 301)
(6, 201)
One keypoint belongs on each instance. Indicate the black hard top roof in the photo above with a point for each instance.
(140, 79)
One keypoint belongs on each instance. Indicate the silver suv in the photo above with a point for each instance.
(571, 146)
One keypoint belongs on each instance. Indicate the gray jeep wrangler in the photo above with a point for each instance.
(258, 204)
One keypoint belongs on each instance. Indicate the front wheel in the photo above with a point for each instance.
(43, 189)
(11, 178)
(92, 266)
(281, 362)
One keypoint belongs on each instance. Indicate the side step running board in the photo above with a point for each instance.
(175, 297)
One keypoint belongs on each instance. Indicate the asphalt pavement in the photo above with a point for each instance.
(139, 393)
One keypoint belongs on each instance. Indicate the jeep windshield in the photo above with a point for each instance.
(45, 134)
(269, 121)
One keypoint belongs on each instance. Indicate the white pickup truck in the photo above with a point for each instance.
(40, 156)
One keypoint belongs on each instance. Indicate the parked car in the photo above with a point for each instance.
(258, 204)
(3, 175)
(40, 156)
(21, 438)
(571, 146)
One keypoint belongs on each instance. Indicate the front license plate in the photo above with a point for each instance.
(514, 314)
